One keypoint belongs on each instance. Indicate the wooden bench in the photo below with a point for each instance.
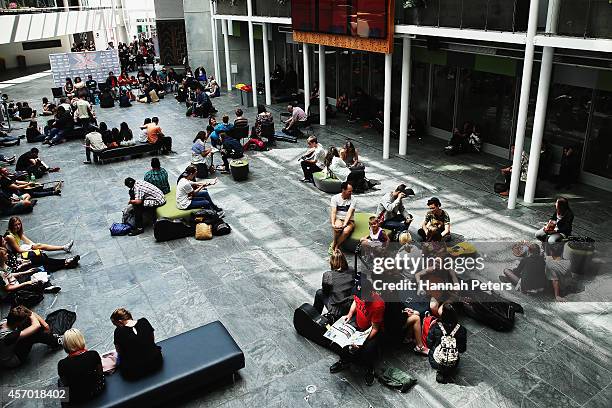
(125, 151)
(192, 360)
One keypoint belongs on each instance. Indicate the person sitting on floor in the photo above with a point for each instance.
(336, 287)
(16, 283)
(530, 271)
(342, 214)
(12, 205)
(47, 107)
(213, 89)
(125, 135)
(367, 310)
(298, 120)
(313, 160)
(342, 104)
(138, 355)
(144, 196)
(81, 371)
(230, 149)
(30, 162)
(444, 352)
(158, 176)
(33, 133)
(21, 329)
(25, 113)
(191, 194)
(25, 189)
(84, 114)
(201, 106)
(337, 168)
(436, 225)
(63, 123)
(559, 226)
(393, 212)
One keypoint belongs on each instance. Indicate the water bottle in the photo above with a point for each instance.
(96, 99)
(32, 178)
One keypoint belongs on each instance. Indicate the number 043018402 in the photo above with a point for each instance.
(14, 393)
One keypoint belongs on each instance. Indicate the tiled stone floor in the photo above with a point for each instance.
(558, 355)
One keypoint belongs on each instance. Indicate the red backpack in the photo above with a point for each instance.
(428, 322)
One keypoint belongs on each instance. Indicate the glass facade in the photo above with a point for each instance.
(598, 157)
(232, 7)
(443, 97)
(585, 18)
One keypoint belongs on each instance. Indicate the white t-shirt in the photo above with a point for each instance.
(319, 155)
(82, 109)
(342, 206)
(183, 188)
(338, 168)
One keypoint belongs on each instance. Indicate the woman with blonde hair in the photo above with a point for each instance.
(135, 345)
(81, 371)
(336, 287)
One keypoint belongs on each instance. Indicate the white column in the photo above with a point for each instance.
(252, 51)
(228, 67)
(539, 119)
(66, 5)
(519, 140)
(306, 77)
(387, 107)
(266, 56)
(405, 100)
(322, 96)
(215, 46)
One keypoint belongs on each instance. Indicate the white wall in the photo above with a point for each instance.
(33, 57)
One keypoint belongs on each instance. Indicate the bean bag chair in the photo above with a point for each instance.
(239, 169)
(169, 209)
(325, 183)
(362, 228)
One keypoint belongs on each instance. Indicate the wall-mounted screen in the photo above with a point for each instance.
(357, 18)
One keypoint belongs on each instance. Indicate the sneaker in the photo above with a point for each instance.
(330, 250)
(54, 169)
(441, 378)
(305, 180)
(369, 377)
(87, 162)
(52, 289)
(136, 231)
(73, 262)
(68, 246)
(422, 350)
(338, 366)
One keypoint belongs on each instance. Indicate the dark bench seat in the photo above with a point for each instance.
(125, 151)
(192, 360)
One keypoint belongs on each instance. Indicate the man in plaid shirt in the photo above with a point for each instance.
(143, 196)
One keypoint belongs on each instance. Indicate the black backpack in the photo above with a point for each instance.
(221, 228)
(309, 323)
(166, 229)
(209, 217)
(491, 310)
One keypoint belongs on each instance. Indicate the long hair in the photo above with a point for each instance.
(11, 225)
(449, 315)
(331, 153)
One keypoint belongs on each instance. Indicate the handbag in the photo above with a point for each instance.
(203, 231)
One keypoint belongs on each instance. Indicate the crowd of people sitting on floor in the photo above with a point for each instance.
(136, 54)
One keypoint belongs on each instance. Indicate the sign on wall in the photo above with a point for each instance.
(81, 64)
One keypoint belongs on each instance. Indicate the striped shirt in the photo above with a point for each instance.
(150, 195)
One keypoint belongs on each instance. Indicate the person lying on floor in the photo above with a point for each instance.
(11, 185)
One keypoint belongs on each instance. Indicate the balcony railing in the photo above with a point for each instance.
(36, 7)
(585, 18)
(493, 15)
(272, 8)
(232, 7)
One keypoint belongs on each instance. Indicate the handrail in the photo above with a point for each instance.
(37, 10)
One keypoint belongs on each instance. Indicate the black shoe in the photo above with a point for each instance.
(441, 378)
(136, 231)
(52, 289)
(338, 366)
(369, 377)
(73, 262)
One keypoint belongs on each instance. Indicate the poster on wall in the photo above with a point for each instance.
(81, 64)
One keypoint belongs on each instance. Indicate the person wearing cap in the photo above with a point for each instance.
(436, 225)
(392, 211)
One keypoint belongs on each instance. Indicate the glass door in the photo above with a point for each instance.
(443, 97)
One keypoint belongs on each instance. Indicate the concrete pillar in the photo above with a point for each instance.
(215, 45)
(322, 96)
(519, 140)
(228, 68)
(252, 51)
(266, 56)
(539, 119)
(387, 107)
(66, 5)
(306, 77)
(405, 99)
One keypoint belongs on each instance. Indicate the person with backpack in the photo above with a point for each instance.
(446, 340)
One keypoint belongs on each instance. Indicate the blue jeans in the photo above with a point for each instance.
(55, 135)
(202, 200)
(396, 224)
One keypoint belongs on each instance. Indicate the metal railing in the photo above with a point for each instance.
(493, 15)
(272, 8)
(7, 9)
(232, 7)
(585, 18)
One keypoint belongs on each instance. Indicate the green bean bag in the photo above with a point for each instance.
(169, 209)
(325, 183)
(362, 229)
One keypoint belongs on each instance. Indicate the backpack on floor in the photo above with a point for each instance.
(165, 229)
(309, 323)
(491, 310)
(221, 228)
(396, 379)
(61, 321)
(446, 353)
(206, 216)
(118, 229)
(27, 297)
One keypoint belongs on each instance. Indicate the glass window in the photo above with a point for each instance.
(567, 115)
(598, 159)
(333, 16)
(330, 73)
(369, 18)
(443, 97)
(419, 90)
(487, 100)
(377, 76)
(303, 13)
(474, 13)
(344, 72)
